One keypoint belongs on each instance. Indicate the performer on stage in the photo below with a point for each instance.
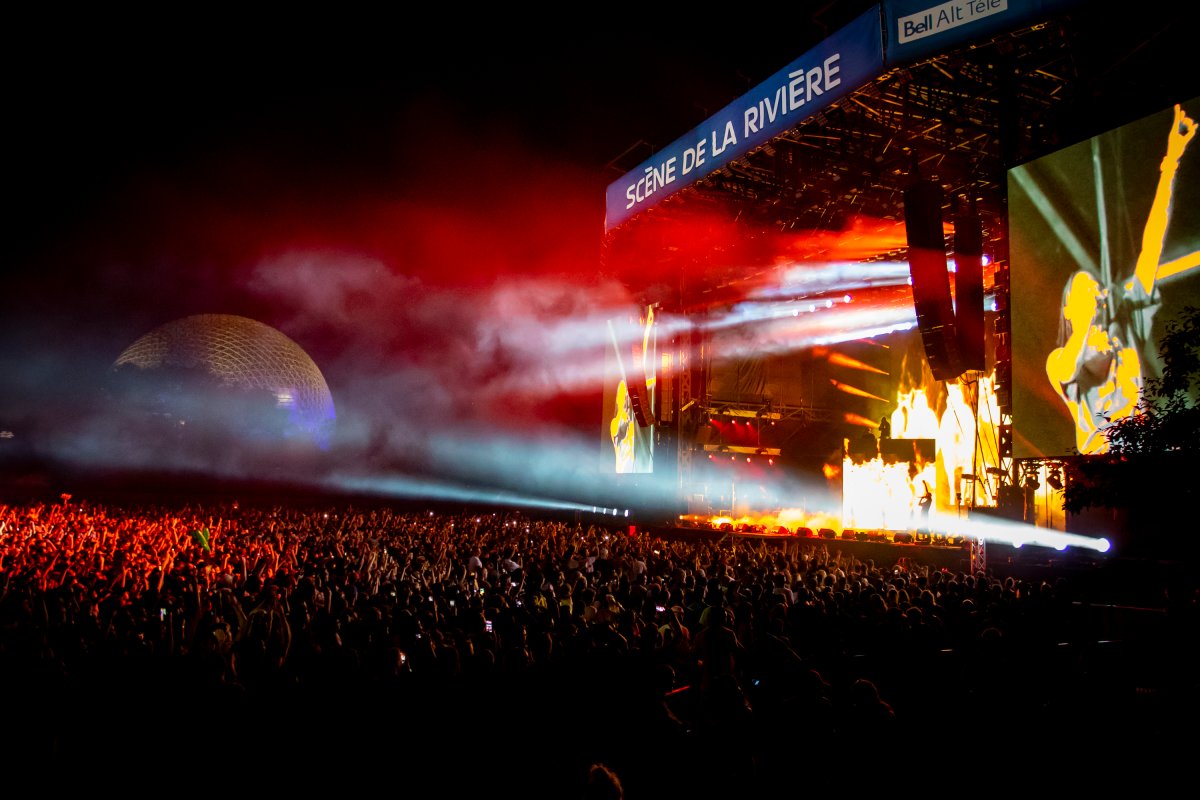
(925, 503)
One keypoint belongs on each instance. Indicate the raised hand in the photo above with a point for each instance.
(1182, 132)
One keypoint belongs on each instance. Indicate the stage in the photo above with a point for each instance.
(936, 552)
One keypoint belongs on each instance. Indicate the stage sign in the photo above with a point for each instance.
(842, 63)
(886, 35)
(917, 29)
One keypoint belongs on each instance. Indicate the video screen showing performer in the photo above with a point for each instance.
(630, 395)
(1104, 245)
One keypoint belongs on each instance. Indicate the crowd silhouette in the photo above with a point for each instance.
(267, 648)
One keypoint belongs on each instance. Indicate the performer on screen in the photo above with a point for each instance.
(633, 443)
(1097, 369)
(623, 430)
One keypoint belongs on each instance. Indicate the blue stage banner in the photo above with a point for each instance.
(917, 29)
(843, 63)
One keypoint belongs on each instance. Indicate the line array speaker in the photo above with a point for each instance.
(968, 288)
(931, 278)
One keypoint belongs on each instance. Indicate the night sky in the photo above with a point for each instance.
(419, 206)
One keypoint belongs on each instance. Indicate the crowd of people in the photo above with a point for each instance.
(230, 647)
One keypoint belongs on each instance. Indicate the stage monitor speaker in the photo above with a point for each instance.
(968, 288)
(930, 275)
(1010, 502)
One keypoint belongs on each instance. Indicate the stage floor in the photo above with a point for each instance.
(952, 555)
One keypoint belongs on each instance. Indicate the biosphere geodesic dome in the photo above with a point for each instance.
(210, 367)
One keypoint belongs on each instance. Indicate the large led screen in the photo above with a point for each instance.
(629, 394)
(1103, 255)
